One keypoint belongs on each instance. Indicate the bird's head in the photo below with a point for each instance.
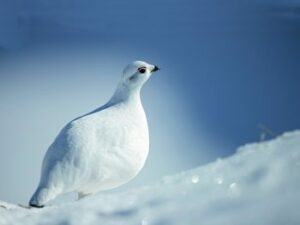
(137, 73)
(133, 78)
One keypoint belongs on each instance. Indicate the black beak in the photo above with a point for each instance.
(155, 69)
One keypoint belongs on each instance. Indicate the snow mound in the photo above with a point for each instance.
(260, 184)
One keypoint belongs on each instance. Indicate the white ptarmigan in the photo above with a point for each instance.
(102, 149)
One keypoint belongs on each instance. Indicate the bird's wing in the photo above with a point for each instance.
(78, 145)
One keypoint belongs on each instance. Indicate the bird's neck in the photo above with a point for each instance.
(125, 94)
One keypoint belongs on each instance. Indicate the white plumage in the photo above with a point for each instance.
(102, 149)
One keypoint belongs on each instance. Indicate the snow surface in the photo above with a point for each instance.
(260, 184)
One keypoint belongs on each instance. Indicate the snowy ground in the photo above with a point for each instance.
(260, 184)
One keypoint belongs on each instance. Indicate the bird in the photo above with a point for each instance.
(102, 149)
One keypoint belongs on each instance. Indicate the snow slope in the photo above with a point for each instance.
(260, 184)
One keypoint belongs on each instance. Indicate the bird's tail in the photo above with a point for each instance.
(41, 197)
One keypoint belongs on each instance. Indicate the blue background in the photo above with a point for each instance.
(227, 67)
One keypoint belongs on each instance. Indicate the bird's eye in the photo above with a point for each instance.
(142, 70)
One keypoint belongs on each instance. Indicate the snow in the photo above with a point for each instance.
(259, 184)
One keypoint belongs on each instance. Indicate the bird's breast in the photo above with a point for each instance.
(124, 139)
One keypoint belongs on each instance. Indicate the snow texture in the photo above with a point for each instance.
(259, 184)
